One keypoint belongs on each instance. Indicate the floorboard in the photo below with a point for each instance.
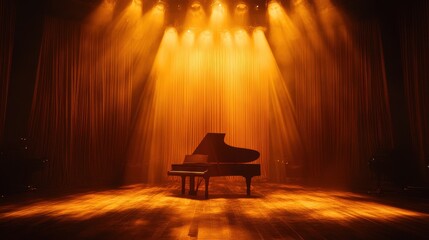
(274, 211)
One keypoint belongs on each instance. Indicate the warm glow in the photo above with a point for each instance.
(188, 38)
(241, 7)
(241, 38)
(214, 78)
(219, 15)
(241, 14)
(206, 39)
(281, 25)
(170, 36)
(275, 10)
(203, 85)
(120, 89)
(227, 39)
(82, 206)
(195, 17)
(318, 60)
(138, 3)
(196, 6)
(333, 205)
(305, 204)
(160, 6)
(101, 16)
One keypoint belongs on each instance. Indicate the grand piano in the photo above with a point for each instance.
(214, 158)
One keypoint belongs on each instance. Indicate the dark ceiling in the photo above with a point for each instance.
(79, 9)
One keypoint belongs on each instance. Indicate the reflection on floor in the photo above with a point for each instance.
(275, 211)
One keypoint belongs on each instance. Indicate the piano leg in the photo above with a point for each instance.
(183, 184)
(206, 181)
(192, 186)
(248, 181)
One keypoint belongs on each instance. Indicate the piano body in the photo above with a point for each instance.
(213, 158)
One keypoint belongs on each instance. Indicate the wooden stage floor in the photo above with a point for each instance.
(275, 211)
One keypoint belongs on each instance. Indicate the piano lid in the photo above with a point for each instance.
(213, 145)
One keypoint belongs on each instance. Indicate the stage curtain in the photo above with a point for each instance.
(7, 30)
(91, 85)
(414, 42)
(81, 106)
(333, 66)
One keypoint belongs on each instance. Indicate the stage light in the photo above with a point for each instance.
(188, 38)
(170, 31)
(241, 37)
(206, 38)
(274, 9)
(196, 6)
(297, 2)
(195, 17)
(169, 44)
(170, 36)
(196, 10)
(138, 2)
(241, 14)
(226, 38)
(217, 4)
(101, 15)
(218, 18)
(241, 7)
(259, 31)
(161, 5)
(218, 7)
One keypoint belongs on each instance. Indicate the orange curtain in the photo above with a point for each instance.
(90, 87)
(414, 39)
(7, 29)
(81, 106)
(334, 68)
(90, 83)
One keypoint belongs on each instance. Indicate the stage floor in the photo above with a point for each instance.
(274, 211)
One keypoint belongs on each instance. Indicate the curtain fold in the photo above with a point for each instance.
(81, 106)
(334, 68)
(91, 79)
(7, 30)
(414, 39)
(94, 106)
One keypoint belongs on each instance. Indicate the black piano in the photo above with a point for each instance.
(213, 158)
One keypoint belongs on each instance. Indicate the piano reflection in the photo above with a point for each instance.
(213, 158)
